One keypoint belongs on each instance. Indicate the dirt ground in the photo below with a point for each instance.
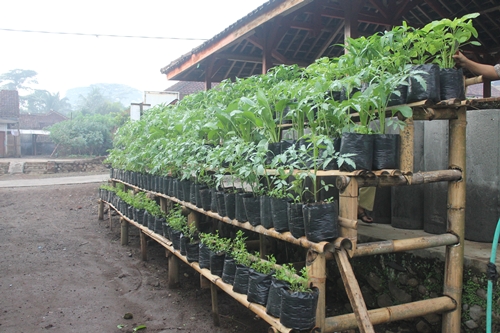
(63, 270)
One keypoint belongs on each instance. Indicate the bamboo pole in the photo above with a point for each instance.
(144, 246)
(215, 304)
(316, 267)
(408, 244)
(348, 209)
(110, 220)
(392, 313)
(262, 246)
(353, 292)
(124, 231)
(422, 177)
(454, 257)
(100, 210)
(406, 148)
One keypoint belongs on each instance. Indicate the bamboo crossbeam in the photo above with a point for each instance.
(423, 177)
(473, 80)
(408, 244)
(286, 236)
(392, 313)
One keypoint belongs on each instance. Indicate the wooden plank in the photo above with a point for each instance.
(353, 292)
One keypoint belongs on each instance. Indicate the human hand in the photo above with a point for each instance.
(460, 59)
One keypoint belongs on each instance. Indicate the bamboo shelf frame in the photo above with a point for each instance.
(346, 248)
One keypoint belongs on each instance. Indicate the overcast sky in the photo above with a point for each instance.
(68, 61)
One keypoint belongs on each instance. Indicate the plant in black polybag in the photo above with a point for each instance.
(259, 279)
(299, 303)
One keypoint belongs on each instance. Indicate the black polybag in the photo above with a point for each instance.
(252, 208)
(258, 287)
(320, 221)
(298, 309)
(451, 83)
(229, 270)
(296, 219)
(429, 73)
(217, 263)
(279, 214)
(386, 151)
(361, 145)
(273, 305)
(204, 256)
(240, 284)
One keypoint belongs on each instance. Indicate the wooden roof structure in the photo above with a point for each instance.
(301, 31)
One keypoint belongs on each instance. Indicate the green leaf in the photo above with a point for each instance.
(120, 326)
(138, 328)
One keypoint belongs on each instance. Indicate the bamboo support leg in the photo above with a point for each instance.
(100, 210)
(316, 265)
(454, 256)
(163, 204)
(215, 304)
(406, 148)
(354, 292)
(348, 209)
(124, 231)
(194, 218)
(204, 282)
(144, 246)
(110, 220)
(173, 270)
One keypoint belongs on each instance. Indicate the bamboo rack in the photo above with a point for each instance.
(345, 248)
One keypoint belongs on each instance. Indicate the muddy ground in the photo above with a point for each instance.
(63, 270)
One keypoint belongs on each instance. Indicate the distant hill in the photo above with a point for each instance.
(112, 91)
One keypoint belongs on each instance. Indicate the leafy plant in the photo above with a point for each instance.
(264, 266)
(176, 220)
(443, 38)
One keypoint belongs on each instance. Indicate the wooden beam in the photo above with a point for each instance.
(144, 246)
(437, 8)
(238, 34)
(124, 231)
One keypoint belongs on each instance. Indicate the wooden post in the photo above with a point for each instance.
(144, 246)
(348, 209)
(454, 257)
(173, 270)
(406, 149)
(100, 210)
(124, 231)
(215, 304)
(316, 267)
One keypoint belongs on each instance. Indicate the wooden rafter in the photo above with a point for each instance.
(237, 34)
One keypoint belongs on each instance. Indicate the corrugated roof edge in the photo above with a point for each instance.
(223, 33)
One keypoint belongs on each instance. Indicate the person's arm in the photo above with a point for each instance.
(487, 71)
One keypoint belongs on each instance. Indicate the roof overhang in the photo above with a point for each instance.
(301, 31)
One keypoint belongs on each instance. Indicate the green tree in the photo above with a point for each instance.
(96, 103)
(18, 79)
(41, 101)
(86, 134)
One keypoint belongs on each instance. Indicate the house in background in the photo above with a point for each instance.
(10, 144)
(35, 139)
(477, 91)
(171, 95)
